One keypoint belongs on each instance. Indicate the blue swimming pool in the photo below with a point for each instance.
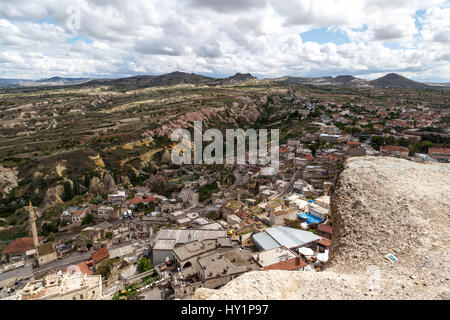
(309, 218)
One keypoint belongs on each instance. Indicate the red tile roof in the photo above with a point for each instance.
(330, 157)
(20, 245)
(283, 150)
(135, 201)
(354, 143)
(140, 200)
(439, 150)
(325, 228)
(82, 267)
(290, 264)
(100, 255)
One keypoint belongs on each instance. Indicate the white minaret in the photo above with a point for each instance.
(33, 226)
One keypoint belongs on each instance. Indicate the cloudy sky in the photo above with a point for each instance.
(268, 38)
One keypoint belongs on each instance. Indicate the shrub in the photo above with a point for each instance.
(104, 269)
(206, 191)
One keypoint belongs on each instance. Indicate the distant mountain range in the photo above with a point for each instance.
(173, 78)
(391, 80)
(54, 81)
(170, 79)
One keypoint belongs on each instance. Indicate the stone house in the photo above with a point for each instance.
(396, 151)
(278, 217)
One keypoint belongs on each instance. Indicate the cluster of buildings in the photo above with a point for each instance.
(252, 220)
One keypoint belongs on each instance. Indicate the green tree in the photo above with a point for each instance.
(68, 192)
(48, 228)
(76, 187)
(403, 142)
(87, 219)
(377, 142)
(313, 148)
(390, 141)
(206, 191)
(98, 199)
(87, 180)
(144, 265)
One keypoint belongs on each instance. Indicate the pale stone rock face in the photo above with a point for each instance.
(381, 205)
(8, 179)
(96, 186)
(52, 196)
(108, 182)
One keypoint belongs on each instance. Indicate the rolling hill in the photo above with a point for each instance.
(49, 82)
(339, 81)
(135, 82)
(393, 80)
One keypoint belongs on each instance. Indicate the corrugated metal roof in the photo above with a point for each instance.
(265, 241)
(283, 236)
(294, 236)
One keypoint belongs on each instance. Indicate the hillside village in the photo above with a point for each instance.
(148, 240)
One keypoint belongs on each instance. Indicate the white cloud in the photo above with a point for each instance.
(118, 38)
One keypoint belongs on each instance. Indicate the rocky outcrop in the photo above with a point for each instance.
(158, 183)
(125, 180)
(108, 182)
(380, 206)
(52, 196)
(96, 186)
(244, 109)
(166, 157)
(8, 179)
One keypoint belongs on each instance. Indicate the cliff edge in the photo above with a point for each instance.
(380, 205)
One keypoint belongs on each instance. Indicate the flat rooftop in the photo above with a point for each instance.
(164, 244)
(188, 235)
(272, 256)
(121, 251)
(193, 249)
(232, 262)
(212, 226)
(197, 248)
(56, 285)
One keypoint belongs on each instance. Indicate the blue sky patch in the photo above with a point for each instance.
(393, 45)
(323, 35)
(45, 20)
(79, 38)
